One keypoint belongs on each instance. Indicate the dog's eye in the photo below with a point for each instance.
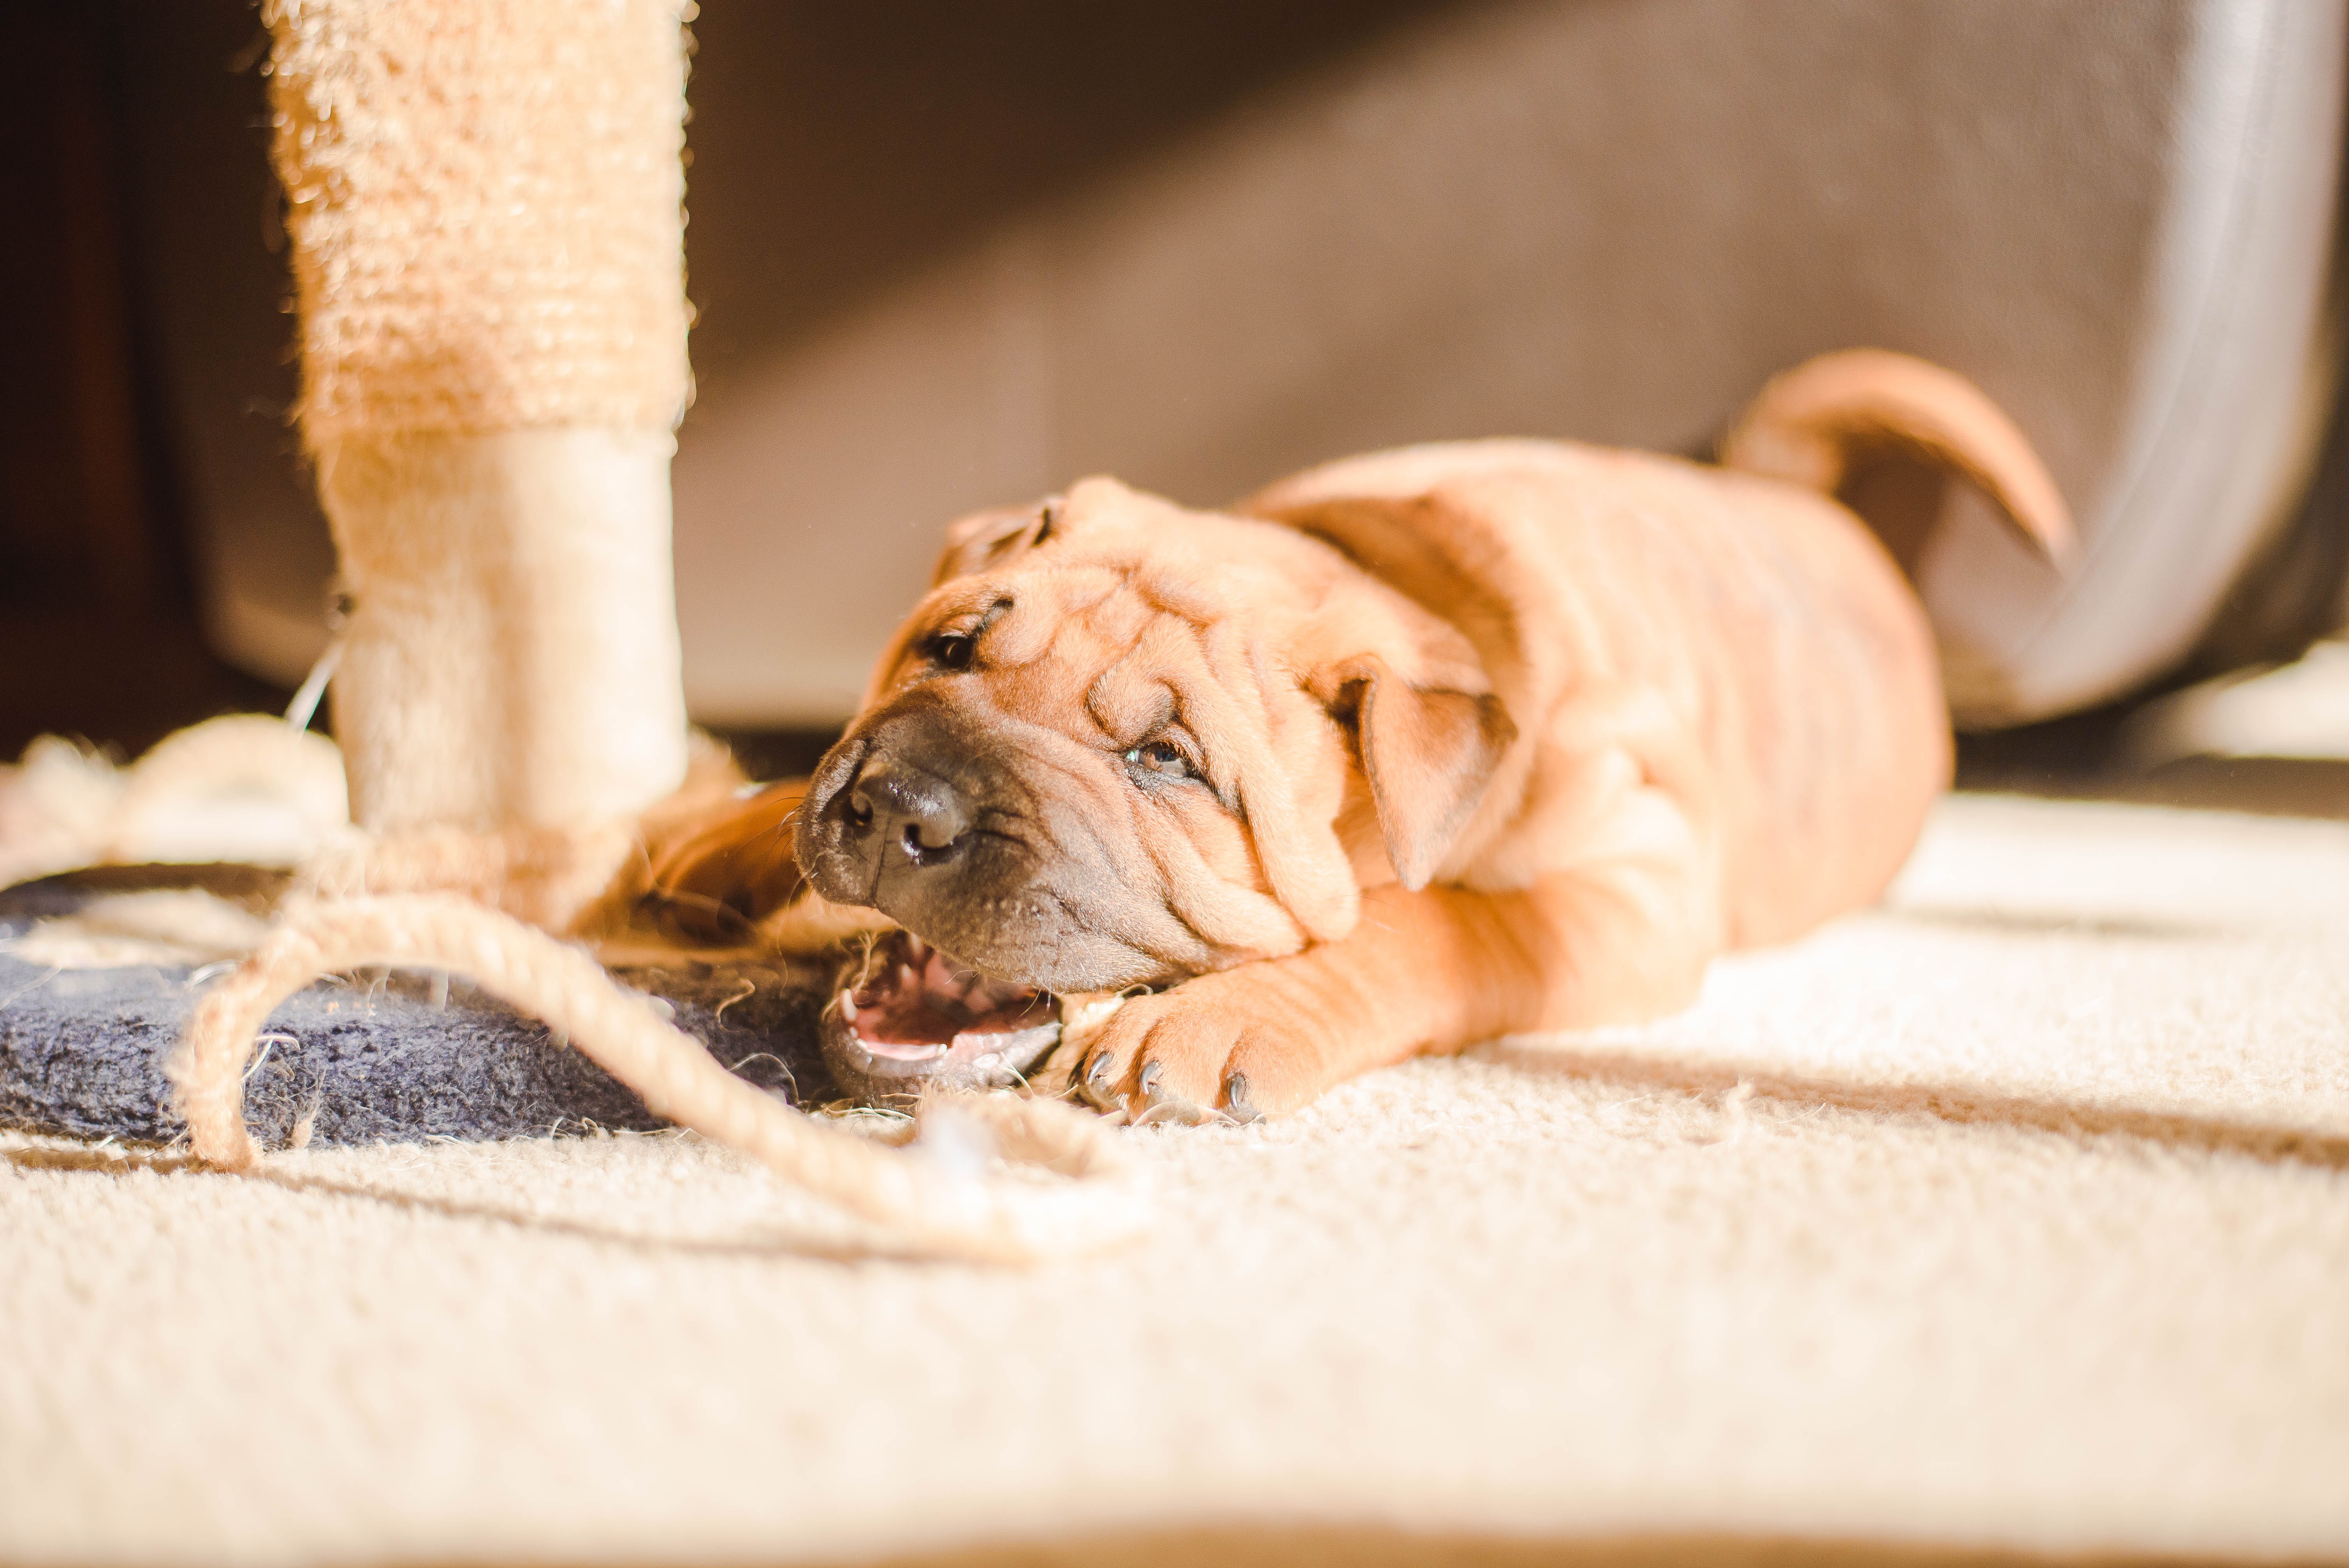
(1161, 757)
(952, 650)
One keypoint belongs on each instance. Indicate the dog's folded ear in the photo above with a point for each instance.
(1427, 755)
(990, 538)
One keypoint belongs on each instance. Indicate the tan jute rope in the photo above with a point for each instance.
(1069, 1199)
(486, 207)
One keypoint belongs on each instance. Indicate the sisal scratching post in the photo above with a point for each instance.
(485, 200)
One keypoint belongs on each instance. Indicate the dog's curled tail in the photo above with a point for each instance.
(1809, 422)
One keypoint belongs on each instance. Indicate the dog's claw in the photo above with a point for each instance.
(1163, 1104)
(1094, 1085)
(1236, 1104)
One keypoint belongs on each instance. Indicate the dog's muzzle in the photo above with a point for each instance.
(897, 819)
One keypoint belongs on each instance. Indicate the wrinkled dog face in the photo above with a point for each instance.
(1050, 779)
(1117, 745)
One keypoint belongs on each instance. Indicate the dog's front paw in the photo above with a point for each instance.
(1222, 1043)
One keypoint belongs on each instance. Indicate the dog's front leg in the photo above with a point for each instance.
(1435, 970)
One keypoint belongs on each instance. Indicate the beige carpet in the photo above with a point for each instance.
(2013, 1216)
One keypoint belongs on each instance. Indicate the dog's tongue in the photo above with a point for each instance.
(915, 1003)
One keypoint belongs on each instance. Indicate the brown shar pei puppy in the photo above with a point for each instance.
(1407, 751)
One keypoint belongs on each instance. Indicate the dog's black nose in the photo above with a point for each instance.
(902, 815)
(908, 809)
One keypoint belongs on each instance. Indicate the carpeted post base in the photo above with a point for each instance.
(385, 1059)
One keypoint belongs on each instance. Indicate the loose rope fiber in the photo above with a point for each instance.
(924, 1203)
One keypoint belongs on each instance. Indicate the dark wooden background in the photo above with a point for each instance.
(98, 633)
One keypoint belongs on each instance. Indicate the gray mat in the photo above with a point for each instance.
(369, 1058)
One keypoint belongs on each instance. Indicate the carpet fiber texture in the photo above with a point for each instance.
(2010, 1218)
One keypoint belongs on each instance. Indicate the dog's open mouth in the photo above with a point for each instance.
(906, 1016)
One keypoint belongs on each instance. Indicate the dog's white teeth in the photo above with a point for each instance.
(905, 976)
(848, 1006)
